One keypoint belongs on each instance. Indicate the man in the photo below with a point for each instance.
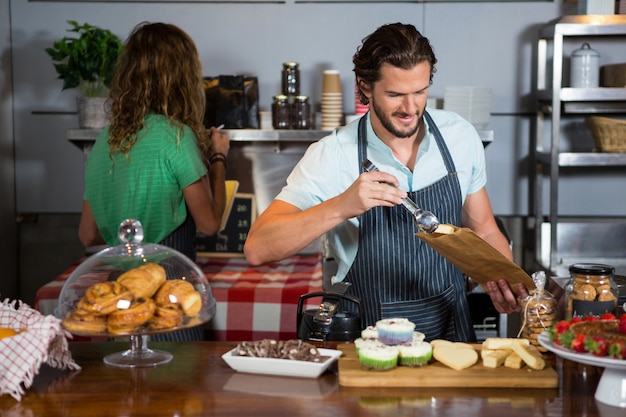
(435, 154)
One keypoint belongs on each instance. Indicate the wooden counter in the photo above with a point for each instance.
(199, 383)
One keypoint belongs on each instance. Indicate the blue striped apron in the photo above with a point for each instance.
(395, 274)
(181, 239)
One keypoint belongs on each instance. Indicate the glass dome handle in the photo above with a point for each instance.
(130, 232)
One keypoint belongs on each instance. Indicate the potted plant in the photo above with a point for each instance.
(87, 61)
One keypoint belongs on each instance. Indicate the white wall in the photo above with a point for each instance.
(486, 44)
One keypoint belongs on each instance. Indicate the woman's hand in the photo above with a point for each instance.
(220, 143)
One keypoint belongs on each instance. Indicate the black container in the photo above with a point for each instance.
(281, 114)
(326, 324)
(290, 79)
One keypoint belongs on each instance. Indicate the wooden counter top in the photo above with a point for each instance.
(199, 383)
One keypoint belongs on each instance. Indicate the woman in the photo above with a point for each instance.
(150, 164)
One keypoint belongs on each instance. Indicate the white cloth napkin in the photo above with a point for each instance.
(44, 341)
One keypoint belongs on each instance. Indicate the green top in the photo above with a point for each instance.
(146, 185)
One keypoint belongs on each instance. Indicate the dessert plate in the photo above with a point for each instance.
(282, 367)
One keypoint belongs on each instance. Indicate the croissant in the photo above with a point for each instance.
(143, 281)
(178, 291)
(102, 298)
(84, 322)
(128, 320)
(166, 317)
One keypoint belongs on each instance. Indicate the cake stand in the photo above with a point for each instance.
(612, 386)
(108, 265)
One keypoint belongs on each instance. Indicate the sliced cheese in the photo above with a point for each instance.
(494, 358)
(503, 342)
(513, 361)
(530, 355)
(455, 357)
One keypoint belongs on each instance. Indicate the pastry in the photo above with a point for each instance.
(103, 298)
(84, 322)
(181, 292)
(166, 317)
(130, 319)
(143, 281)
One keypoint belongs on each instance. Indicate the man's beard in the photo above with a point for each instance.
(387, 124)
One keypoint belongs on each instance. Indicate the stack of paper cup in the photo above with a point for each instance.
(332, 101)
(359, 108)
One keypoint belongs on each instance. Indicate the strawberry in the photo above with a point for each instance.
(617, 350)
(596, 345)
(575, 320)
(608, 316)
(557, 329)
(590, 317)
(578, 344)
(621, 327)
(565, 339)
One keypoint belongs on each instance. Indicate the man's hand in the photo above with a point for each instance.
(371, 189)
(504, 300)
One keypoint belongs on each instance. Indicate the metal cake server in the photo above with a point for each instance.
(425, 220)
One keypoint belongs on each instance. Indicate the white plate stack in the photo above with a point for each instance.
(471, 103)
(332, 100)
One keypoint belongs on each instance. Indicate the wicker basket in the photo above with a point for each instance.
(609, 134)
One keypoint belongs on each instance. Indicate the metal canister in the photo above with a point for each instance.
(280, 112)
(291, 79)
(301, 113)
(585, 67)
(590, 290)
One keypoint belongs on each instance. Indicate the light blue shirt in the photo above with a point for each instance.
(331, 165)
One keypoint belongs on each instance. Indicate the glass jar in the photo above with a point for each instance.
(280, 112)
(301, 113)
(539, 311)
(590, 290)
(291, 79)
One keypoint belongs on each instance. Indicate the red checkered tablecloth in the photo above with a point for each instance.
(252, 302)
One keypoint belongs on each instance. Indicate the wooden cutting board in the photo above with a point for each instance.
(437, 375)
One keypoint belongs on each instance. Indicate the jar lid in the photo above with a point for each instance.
(301, 98)
(585, 50)
(281, 97)
(290, 64)
(591, 269)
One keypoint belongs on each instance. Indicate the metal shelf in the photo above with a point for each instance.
(584, 159)
(555, 101)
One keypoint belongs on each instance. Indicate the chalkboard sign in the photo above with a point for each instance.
(230, 241)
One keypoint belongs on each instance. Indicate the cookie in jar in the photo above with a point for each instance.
(538, 312)
(590, 290)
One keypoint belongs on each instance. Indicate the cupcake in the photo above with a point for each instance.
(378, 358)
(369, 332)
(418, 337)
(395, 331)
(365, 343)
(415, 354)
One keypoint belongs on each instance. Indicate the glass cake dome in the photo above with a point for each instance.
(135, 289)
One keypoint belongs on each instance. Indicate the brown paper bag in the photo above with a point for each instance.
(474, 257)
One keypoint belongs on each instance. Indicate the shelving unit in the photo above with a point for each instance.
(555, 101)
